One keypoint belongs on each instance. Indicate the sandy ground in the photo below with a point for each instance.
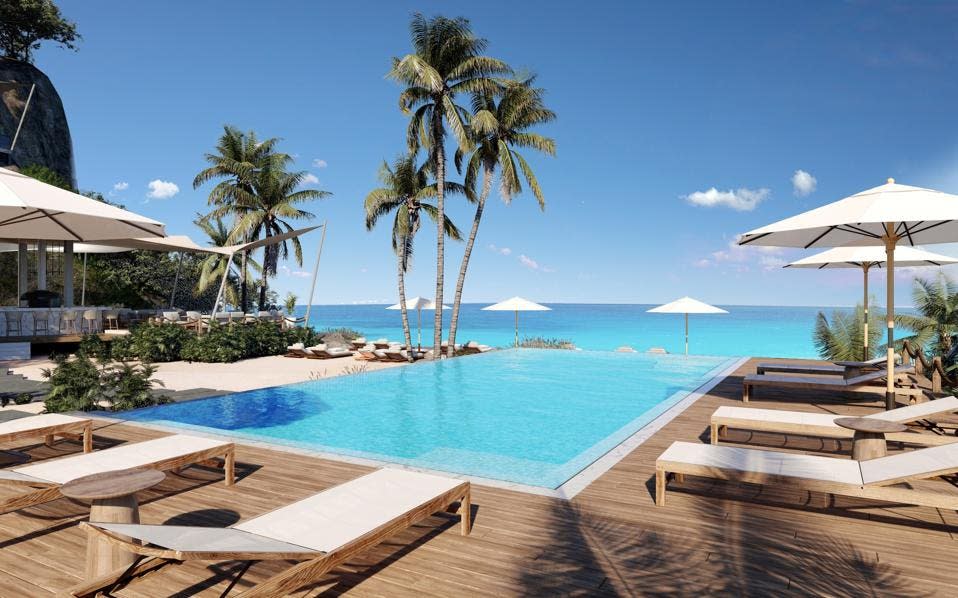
(247, 374)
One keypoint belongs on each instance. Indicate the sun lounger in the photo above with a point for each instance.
(164, 454)
(382, 343)
(296, 350)
(366, 353)
(848, 369)
(875, 479)
(324, 352)
(48, 426)
(358, 343)
(324, 530)
(823, 424)
(869, 382)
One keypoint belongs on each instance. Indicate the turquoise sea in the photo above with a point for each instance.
(746, 330)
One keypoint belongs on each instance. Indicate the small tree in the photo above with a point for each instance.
(24, 24)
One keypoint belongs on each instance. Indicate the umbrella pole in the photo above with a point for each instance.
(865, 346)
(890, 240)
(686, 334)
(517, 328)
(83, 286)
(419, 332)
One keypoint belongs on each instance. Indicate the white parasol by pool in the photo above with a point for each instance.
(418, 304)
(883, 216)
(867, 258)
(686, 306)
(516, 304)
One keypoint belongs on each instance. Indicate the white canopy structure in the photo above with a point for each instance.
(516, 304)
(882, 216)
(418, 304)
(867, 258)
(686, 306)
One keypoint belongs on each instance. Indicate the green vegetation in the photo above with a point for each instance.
(538, 342)
(46, 175)
(80, 384)
(25, 24)
(153, 343)
(347, 333)
(226, 344)
(842, 338)
(446, 60)
(290, 304)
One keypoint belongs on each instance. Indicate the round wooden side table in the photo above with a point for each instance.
(112, 497)
(869, 439)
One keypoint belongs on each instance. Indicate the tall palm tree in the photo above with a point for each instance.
(498, 128)
(404, 191)
(214, 266)
(937, 319)
(235, 162)
(266, 211)
(446, 60)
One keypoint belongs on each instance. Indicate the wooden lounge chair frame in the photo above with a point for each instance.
(885, 491)
(866, 383)
(81, 429)
(314, 565)
(43, 492)
(325, 354)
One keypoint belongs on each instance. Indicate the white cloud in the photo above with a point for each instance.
(500, 250)
(121, 186)
(702, 263)
(742, 200)
(318, 163)
(297, 273)
(160, 189)
(528, 262)
(309, 179)
(803, 183)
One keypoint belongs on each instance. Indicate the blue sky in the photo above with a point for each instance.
(657, 104)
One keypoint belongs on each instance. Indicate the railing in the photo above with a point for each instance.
(939, 377)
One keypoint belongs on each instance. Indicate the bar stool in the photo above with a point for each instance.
(91, 321)
(13, 319)
(68, 322)
(41, 322)
(112, 318)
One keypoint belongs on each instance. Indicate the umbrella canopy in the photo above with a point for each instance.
(686, 306)
(516, 304)
(418, 304)
(867, 258)
(30, 209)
(882, 216)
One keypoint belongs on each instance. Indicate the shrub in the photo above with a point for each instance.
(23, 398)
(158, 343)
(128, 386)
(538, 342)
(122, 348)
(347, 333)
(92, 346)
(221, 344)
(301, 334)
(79, 384)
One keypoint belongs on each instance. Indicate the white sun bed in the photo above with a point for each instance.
(823, 424)
(164, 454)
(868, 382)
(48, 426)
(875, 479)
(323, 530)
(848, 369)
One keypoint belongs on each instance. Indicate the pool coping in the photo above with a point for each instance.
(567, 491)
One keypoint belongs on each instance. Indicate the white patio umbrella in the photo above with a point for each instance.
(687, 305)
(30, 209)
(516, 304)
(867, 258)
(418, 304)
(881, 216)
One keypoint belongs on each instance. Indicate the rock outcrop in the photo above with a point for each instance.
(45, 136)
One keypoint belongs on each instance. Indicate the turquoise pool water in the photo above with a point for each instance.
(534, 417)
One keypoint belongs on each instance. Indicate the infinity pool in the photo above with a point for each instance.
(535, 417)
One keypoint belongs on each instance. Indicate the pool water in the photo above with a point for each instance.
(535, 417)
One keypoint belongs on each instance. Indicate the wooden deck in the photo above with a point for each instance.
(712, 538)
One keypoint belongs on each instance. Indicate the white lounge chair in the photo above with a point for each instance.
(823, 424)
(296, 350)
(48, 426)
(869, 382)
(323, 530)
(324, 352)
(164, 454)
(876, 479)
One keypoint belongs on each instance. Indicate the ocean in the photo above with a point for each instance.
(746, 330)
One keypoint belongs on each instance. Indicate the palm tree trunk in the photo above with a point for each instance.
(440, 153)
(401, 277)
(266, 269)
(244, 265)
(454, 322)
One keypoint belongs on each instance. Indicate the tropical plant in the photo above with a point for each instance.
(446, 60)
(539, 342)
(91, 345)
(498, 127)
(214, 265)
(235, 163)
(130, 386)
(75, 384)
(405, 187)
(24, 24)
(290, 303)
(842, 338)
(349, 334)
(936, 301)
(158, 343)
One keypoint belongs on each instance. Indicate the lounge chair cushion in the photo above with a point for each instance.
(201, 539)
(34, 422)
(918, 410)
(911, 464)
(319, 347)
(296, 347)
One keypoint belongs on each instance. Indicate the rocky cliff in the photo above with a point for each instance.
(45, 136)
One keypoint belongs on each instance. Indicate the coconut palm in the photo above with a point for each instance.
(842, 338)
(235, 162)
(499, 128)
(446, 60)
(214, 266)
(404, 191)
(937, 319)
(267, 210)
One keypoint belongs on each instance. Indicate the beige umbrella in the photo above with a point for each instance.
(686, 306)
(516, 304)
(418, 304)
(882, 216)
(30, 209)
(867, 258)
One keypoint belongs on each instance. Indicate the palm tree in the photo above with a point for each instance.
(937, 320)
(446, 60)
(498, 128)
(404, 190)
(842, 338)
(214, 266)
(274, 200)
(237, 159)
